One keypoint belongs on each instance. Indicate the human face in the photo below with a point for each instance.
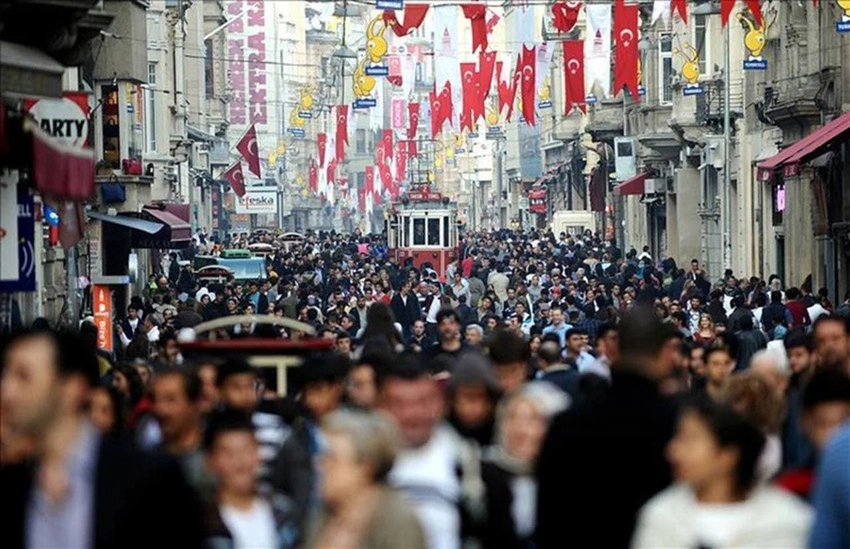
(415, 405)
(609, 345)
(822, 420)
(534, 344)
(471, 405)
(799, 359)
(718, 367)
(101, 410)
(696, 458)
(239, 392)
(418, 328)
(343, 475)
(132, 314)
(171, 350)
(121, 384)
(697, 363)
(831, 343)
(361, 389)
(176, 414)
(235, 461)
(522, 430)
(511, 376)
(491, 324)
(343, 345)
(322, 397)
(449, 328)
(473, 337)
(574, 343)
(705, 322)
(556, 316)
(209, 392)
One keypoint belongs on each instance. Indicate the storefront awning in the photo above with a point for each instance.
(811, 146)
(633, 186)
(29, 72)
(181, 232)
(142, 225)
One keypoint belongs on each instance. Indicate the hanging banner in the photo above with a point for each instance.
(528, 83)
(412, 119)
(537, 201)
(626, 54)
(597, 52)
(447, 70)
(397, 114)
(341, 131)
(543, 84)
(565, 14)
(754, 41)
(574, 94)
(414, 15)
(23, 279)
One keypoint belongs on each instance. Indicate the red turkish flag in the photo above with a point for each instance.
(486, 68)
(369, 179)
(565, 15)
(574, 76)
(361, 199)
(341, 131)
(247, 147)
(412, 149)
(386, 174)
(412, 119)
(726, 7)
(507, 90)
(681, 7)
(233, 176)
(755, 9)
(477, 15)
(528, 72)
(387, 142)
(446, 106)
(469, 79)
(321, 143)
(414, 15)
(331, 171)
(626, 52)
(313, 178)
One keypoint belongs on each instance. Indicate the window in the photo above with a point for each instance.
(420, 72)
(419, 232)
(447, 236)
(150, 109)
(360, 141)
(702, 43)
(433, 232)
(665, 73)
(208, 68)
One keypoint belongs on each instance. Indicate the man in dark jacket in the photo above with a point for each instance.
(750, 341)
(89, 490)
(405, 308)
(587, 492)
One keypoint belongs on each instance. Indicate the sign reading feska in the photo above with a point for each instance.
(257, 202)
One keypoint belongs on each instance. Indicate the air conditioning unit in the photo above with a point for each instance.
(714, 151)
(625, 157)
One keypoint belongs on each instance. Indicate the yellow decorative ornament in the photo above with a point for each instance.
(493, 116)
(545, 92)
(281, 149)
(844, 5)
(299, 180)
(450, 152)
(305, 193)
(755, 38)
(430, 176)
(690, 69)
(306, 101)
(272, 159)
(438, 162)
(376, 45)
(363, 84)
(296, 121)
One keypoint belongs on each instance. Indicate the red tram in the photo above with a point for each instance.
(423, 226)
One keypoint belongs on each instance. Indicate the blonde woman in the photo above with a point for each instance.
(705, 333)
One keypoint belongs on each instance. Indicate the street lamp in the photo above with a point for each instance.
(712, 8)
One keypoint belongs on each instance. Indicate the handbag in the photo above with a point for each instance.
(113, 191)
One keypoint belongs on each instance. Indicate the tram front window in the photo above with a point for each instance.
(433, 232)
(418, 232)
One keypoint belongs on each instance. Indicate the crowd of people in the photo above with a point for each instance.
(544, 390)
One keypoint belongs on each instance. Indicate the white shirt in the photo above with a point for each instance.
(427, 477)
(816, 310)
(254, 529)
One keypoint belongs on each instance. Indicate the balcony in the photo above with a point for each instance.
(800, 100)
(655, 135)
(605, 120)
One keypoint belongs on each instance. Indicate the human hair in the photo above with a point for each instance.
(191, 383)
(225, 421)
(476, 328)
(826, 386)
(754, 398)
(642, 334)
(134, 382)
(381, 323)
(233, 367)
(798, 337)
(746, 322)
(407, 366)
(549, 352)
(831, 317)
(506, 347)
(447, 312)
(716, 347)
(775, 296)
(792, 293)
(373, 436)
(731, 430)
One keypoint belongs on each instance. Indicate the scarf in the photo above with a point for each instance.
(497, 455)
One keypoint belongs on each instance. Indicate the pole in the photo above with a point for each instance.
(727, 176)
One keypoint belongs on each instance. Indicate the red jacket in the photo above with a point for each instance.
(799, 313)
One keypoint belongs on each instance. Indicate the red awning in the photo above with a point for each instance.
(181, 232)
(633, 185)
(790, 158)
(180, 210)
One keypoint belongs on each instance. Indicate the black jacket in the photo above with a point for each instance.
(140, 501)
(406, 314)
(600, 462)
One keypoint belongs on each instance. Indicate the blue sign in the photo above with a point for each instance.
(641, 91)
(544, 105)
(842, 26)
(693, 89)
(367, 103)
(377, 70)
(755, 64)
(590, 99)
(389, 4)
(296, 132)
(472, 135)
(305, 114)
(495, 132)
(26, 248)
(51, 216)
